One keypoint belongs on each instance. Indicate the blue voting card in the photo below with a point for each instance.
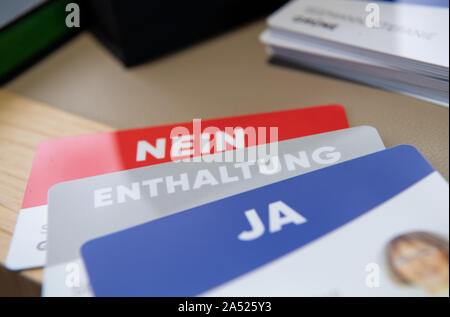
(335, 231)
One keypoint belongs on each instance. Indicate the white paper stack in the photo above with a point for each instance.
(401, 47)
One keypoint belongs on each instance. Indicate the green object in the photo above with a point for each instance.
(32, 35)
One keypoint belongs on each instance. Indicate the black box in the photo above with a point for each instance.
(139, 30)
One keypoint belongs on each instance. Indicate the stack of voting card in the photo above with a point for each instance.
(287, 203)
(66, 159)
(401, 46)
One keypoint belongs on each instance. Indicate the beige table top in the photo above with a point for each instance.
(228, 75)
(225, 76)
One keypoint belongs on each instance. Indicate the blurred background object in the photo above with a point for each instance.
(30, 29)
(136, 31)
(400, 46)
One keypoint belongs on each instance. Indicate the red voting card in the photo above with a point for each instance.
(59, 160)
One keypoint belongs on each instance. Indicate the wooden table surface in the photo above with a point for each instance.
(23, 125)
